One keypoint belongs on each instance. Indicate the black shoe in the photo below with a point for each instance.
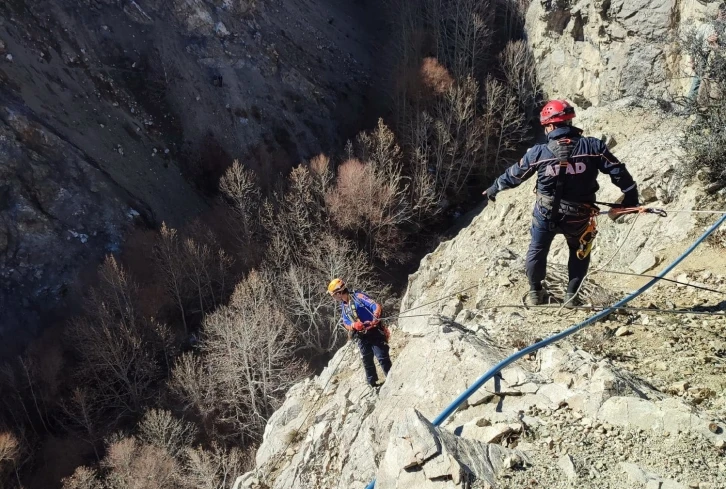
(571, 300)
(536, 297)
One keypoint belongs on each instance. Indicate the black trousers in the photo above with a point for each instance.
(374, 343)
(572, 228)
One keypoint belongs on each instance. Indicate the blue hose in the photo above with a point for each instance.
(553, 339)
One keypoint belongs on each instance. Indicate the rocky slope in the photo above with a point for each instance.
(115, 113)
(636, 400)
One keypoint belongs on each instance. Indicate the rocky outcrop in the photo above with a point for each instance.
(595, 51)
(109, 109)
(573, 414)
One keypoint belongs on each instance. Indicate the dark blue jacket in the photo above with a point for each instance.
(590, 156)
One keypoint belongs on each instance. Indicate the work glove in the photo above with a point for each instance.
(491, 193)
(358, 326)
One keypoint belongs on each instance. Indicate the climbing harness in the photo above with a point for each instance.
(562, 149)
(587, 237)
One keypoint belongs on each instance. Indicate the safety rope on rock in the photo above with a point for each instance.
(573, 329)
(656, 310)
(685, 284)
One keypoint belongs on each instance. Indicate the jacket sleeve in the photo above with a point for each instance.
(610, 165)
(369, 304)
(515, 174)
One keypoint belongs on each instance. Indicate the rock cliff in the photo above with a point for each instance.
(596, 51)
(115, 113)
(636, 400)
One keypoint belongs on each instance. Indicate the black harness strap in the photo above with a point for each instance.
(562, 149)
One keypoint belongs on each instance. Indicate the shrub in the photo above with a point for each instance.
(705, 139)
(216, 468)
(134, 465)
(82, 478)
(161, 429)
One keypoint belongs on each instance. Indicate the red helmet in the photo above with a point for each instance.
(556, 111)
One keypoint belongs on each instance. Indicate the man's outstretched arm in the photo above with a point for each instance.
(513, 176)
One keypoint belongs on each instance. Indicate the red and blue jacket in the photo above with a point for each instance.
(361, 308)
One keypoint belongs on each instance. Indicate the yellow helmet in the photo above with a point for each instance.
(335, 285)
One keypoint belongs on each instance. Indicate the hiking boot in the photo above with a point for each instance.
(571, 300)
(536, 297)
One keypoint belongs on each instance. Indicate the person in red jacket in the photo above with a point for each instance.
(362, 319)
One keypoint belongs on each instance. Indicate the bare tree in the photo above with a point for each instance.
(133, 465)
(215, 468)
(193, 382)
(322, 173)
(9, 453)
(239, 187)
(83, 416)
(247, 348)
(294, 217)
(207, 272)
(520, 71)
(117, 349)
(160, 428)
(504, 123)
(83, 478)
(461, 33)
(371, 198)
(170, 261)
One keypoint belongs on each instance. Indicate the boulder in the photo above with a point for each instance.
(423, 456)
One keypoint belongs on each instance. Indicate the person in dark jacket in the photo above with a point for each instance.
(362, 319)
(567, 167)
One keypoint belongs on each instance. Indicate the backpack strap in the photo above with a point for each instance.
(562, 149)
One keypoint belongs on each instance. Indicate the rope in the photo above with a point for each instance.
(696, 212)
(432, 302)
(600, 308)
(590, 308)
(685, 284)
(655, 210)
(401, 315)
(573, 329)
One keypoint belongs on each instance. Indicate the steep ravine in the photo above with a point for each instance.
(634, 401)
(116, 114)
